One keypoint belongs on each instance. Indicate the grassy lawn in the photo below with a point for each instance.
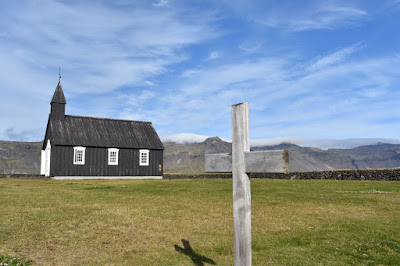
(179, 222)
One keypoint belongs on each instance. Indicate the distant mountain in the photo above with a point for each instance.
(189, 158)
(186, 158)
(20, 157)
(364, 157)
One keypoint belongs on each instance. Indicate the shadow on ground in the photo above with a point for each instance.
(197, 259)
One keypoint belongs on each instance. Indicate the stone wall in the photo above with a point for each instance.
(379, 175)
(30, 176)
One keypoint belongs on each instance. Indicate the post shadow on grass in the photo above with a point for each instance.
(196, 258)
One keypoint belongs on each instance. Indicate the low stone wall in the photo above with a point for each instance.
(30, 176)
(198, 176)
(378, 175)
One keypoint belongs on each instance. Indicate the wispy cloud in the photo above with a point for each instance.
(316, 17)
(102, 49)
(13, 134)
(161, 3)
(213, 55)
(323, 143)
(334, 58)
(183, 138)
(136, 99)
(183, 65)
(287, 100)
(137, 45)
(328, 18)
(250, 47)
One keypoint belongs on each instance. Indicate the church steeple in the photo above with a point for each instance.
(58, 96)
(58, 102)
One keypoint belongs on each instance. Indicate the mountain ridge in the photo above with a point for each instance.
(189, 157)
(302, 159)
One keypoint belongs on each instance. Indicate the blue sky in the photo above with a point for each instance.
(310, 70)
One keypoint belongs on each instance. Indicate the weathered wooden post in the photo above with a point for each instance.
(241, 185)
(241, 162)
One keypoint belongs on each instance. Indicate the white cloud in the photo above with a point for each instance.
(250, 47)
(315, 16)
(323, 143)
(134, 44)
(214, 79)
(101, 48)
(12, 134)
(136, 99)
(145, 63)
(190, 73)
(285, 100)
(183, 138)
(147, 82)
(334, 58)
(348, 143)
(161, 3)
(186, 138)
(328, 18)
(213, 55)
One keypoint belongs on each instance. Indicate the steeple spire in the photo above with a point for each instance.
(58, 101)
(58, 96)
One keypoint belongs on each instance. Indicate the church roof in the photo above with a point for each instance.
(103, 132)
(58, 96)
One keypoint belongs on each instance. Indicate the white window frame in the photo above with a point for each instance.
(82, 149)
(146, 163)
(110, 150)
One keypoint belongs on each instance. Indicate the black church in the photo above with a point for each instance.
(78, 147)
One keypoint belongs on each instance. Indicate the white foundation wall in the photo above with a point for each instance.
(43, 162)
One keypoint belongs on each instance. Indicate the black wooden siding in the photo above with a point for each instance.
(96, 163)
(58, 111)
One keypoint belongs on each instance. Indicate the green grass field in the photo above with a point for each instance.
(143, 222)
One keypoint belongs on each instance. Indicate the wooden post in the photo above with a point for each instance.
(241, 185)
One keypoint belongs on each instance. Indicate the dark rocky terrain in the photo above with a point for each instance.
(24, 157)
(20, 157)
(189, 158)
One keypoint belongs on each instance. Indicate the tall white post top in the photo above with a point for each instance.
(240, 128)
